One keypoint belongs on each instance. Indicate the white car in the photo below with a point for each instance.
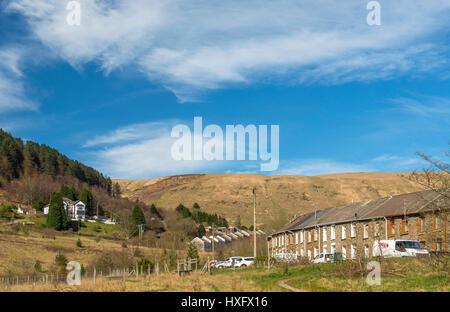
(230, 262)
(399, 248)
(245, 262)
(324, 257)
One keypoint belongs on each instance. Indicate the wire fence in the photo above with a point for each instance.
(135, 272)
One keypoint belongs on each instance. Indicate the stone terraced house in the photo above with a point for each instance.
(353, 228)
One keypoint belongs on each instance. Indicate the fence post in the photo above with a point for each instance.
(95, 274)
(137, 270)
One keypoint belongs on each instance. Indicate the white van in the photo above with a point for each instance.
(398, 248)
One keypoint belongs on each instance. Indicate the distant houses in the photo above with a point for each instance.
(27, 211)
(221, 237)
(75, 210)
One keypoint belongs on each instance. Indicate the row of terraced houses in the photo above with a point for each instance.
(352, 229)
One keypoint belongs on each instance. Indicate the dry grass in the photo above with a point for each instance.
(165, 282)
(19, 253)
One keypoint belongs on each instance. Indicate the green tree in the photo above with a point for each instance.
(61, 262)
(116, 191)
(201, 230)
(137, 218)
(192, 252)
(68, 192)
(186, 213)
(196, 206)
(87, 198)
(57, 218)
(155, 211)
(39, 206)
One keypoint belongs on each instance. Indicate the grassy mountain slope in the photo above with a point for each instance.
(278, 197)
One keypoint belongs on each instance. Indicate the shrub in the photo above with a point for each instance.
(104, 263)
(37, 266)
(144, 265)
(79, 243)
(137, 253)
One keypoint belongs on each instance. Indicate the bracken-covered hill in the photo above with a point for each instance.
(278, 197)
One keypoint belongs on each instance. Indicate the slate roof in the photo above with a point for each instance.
(412, 203)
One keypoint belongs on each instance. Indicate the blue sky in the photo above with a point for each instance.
(347, 96)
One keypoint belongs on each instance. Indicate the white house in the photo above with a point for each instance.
(75, 210)
(28, 211)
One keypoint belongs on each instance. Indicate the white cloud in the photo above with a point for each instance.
(130, 133)
(192, 46)
(424, 106)
(142, 151)
(12, 90)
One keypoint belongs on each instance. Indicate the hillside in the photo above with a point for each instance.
(278, 197)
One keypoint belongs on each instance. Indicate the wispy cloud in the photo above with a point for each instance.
(12, 89)
(131, 133)
(141, 151)
(192, 46)
(424, 106)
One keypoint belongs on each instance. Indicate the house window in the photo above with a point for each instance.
(376, 232)
(309, 253)
(353, 230)
(309, 236)
(366, 230)
(421, 224)
(438, 245)
(325, 250)
(302, 252)
(344, 252)
(316, 252)
(333, 248)
(296, 238)
(404, 226)
(282, 240)
(344, 232)
(324, 233)
(333, 232)
(301, 237)
(391, 230)
(353, 251)
(366, 251)
(437, 222)
(315, 234)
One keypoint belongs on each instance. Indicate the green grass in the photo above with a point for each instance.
(87, 228)
(406, 274)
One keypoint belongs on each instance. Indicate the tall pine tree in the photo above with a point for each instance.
(57, 218)
(87, 198)
(137, 218)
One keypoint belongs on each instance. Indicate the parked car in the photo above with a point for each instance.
(230, 262)
(323, 257)
(245, 262)
(399, 248)
(212, 263)
(220, 265)
(329, 257)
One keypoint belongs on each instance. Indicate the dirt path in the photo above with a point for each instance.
(283, 284)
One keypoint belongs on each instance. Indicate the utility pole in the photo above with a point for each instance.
(214, 255)
(254, 222)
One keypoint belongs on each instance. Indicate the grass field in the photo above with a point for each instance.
(411, 275)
